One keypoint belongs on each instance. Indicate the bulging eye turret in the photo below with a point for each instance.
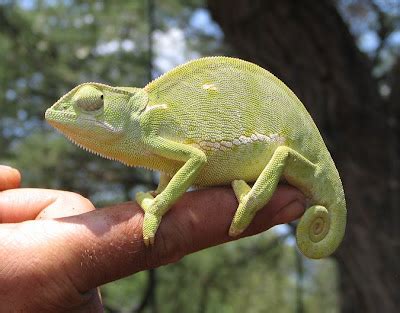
(89, 99)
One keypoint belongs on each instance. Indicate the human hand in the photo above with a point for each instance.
(52, 259)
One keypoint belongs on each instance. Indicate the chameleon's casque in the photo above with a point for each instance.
(213, 121)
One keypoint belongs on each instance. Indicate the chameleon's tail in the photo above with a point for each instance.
(321, 230)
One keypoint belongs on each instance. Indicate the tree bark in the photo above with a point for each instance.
(308, 46)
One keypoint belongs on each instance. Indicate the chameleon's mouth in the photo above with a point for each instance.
(57, 118)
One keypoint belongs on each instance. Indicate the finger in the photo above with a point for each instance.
(107, 244)
(194, 221)
(17, 205)
(9, 178)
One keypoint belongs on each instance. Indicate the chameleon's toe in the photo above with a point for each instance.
(234, 232)
(150, 226)
(148, 241)
(241, 189)
(242, 219)
(144, 199)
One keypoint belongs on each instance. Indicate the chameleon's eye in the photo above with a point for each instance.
(89, 99)
(90, 103)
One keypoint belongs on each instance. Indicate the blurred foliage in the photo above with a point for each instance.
(48, 46)
(375, 24)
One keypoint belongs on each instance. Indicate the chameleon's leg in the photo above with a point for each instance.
(251, 200)
(156, 207)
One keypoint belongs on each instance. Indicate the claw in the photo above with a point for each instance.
(148, 241)
(150, 226)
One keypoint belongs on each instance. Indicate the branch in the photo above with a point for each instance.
(250, 253)
(149, 294)
(385, 28)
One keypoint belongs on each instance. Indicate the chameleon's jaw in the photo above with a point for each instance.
(83, 130)
(63, 120)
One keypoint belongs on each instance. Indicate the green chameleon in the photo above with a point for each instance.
(213, 121)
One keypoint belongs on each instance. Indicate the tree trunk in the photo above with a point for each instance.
(307, 45)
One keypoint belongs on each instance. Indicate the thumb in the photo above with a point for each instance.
(9, 178)
(104, 245)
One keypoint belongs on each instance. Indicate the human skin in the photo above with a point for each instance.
(56, 248)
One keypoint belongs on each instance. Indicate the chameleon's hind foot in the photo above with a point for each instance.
(241, 188)
(241, 219)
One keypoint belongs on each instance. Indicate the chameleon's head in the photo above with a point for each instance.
(95, 116)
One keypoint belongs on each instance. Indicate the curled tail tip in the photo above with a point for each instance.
(320, 231)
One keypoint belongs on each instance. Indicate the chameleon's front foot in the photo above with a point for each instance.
(150, 226)
(151, 221)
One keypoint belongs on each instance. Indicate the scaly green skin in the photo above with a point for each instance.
(213, 121)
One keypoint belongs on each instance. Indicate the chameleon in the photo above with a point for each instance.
(213, 121)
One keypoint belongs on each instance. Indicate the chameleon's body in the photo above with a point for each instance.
(213, 121)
